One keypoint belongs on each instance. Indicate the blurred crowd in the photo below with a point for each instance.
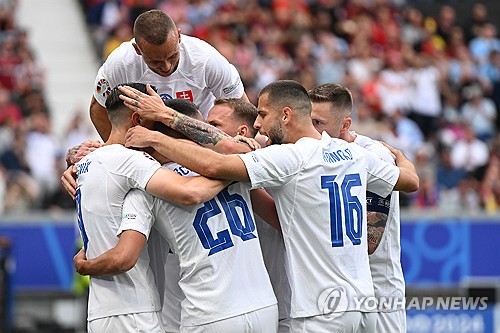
(423, 83)
(31, 157)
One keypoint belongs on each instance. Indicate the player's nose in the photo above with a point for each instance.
(257, 124)
(166, 66)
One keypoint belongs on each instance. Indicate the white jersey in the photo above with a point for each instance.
(221, 267)
(165, 266)
(273, 252)
(202, 75)
(104, 178)
(385, 262)
(319, 187)
(166, 270)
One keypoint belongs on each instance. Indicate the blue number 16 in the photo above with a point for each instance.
(229, 203)
(351, 204)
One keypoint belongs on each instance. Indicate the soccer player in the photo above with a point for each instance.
(233, 116)
(222, 273)
(180, 66)
(236, 117)
(164, 263)
(227, 292)
(331, 112)
(167, 264)
(122, 302)
(319, 185)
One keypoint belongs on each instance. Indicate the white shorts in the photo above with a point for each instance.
(260, 321)
(348, 322)
(391, 322)
(142, 322)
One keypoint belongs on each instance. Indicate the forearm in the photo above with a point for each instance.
(150, 106)
(264, 206)
(106, 264)
(203, 189)
(204, 134)
(375, 229)
(193, 157)
(198, 159)
(408, 180)
(117, 260)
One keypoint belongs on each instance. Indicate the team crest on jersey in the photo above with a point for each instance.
(103, 88)
(165, 97)
(186, 94)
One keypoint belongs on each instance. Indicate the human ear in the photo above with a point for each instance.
(242, 130)
(346, 124)
(286, 114)
(136, 118)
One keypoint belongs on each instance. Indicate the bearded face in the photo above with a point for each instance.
(268, 121)
(276, 134)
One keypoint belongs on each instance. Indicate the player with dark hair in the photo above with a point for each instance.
(235, 116)
(122, 302)
(224, 286)
(331, 112)
(310, 177)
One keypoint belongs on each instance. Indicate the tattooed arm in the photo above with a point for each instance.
(376, 226)
(206, 135)
(150, 106)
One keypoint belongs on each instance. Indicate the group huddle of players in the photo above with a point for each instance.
(219, 235)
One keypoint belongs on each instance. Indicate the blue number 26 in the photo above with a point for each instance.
(242, 229)
(350, 205)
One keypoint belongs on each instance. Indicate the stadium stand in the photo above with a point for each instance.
(419, 80)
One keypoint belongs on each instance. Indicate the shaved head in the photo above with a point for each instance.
(153, 26)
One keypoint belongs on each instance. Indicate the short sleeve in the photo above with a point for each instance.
(222, 78)
(136, 166)
(272, 166)
(102, 86)
(376, 147)
(112, 73)
(136, 212)
(382, 176)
